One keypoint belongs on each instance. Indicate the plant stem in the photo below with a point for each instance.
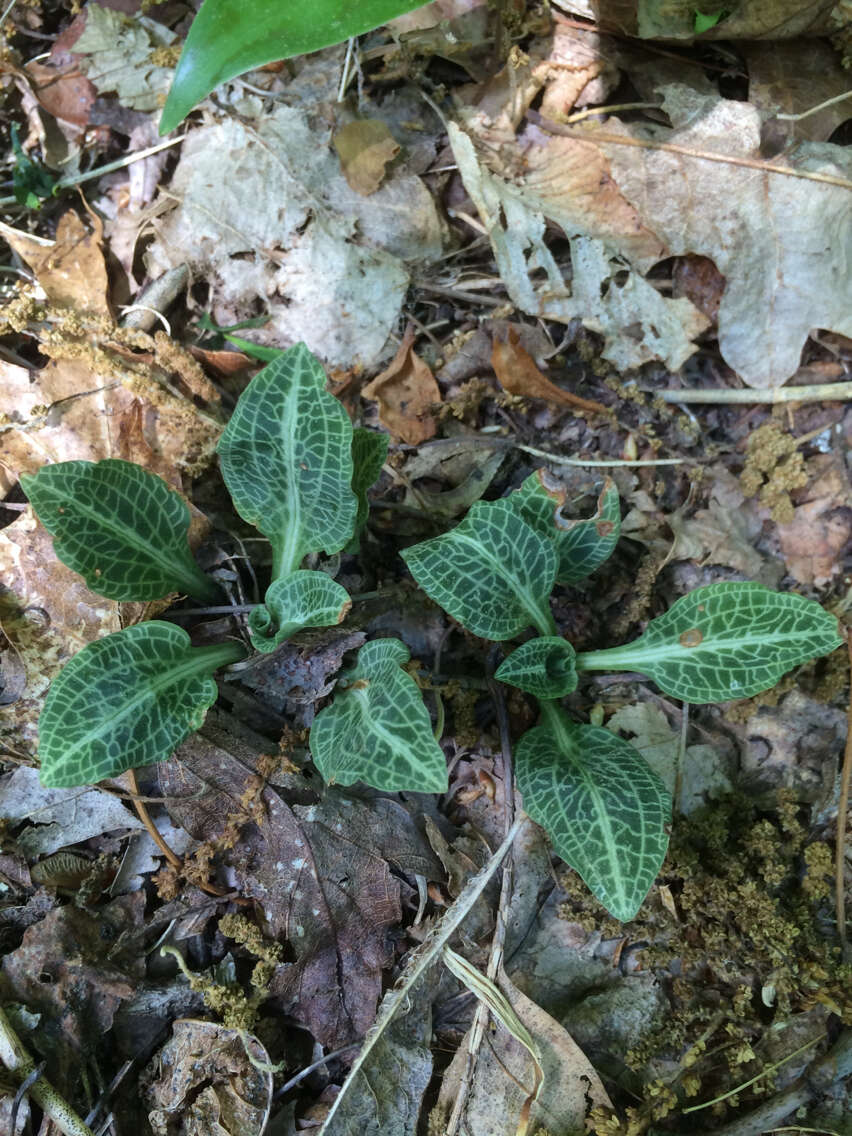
(17, 1060)
(219, 655)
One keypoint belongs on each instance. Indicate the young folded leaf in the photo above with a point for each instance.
(604, 810)
(126, 700)
(726, 640)
(543, 667)
(369, 454)
(286, 457)
(302, 599)
(377, 730)
(120, 527)
(582, 546)
(493, 572)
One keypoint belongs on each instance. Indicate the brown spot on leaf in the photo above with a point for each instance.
(691, 638)
(604, 528)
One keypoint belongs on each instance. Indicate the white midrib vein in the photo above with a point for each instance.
(635, 656)
(538, 616)
(565, 747)
(188, 669)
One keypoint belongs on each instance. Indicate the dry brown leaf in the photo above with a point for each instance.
(406, 392)
(72, 270)
(505, 1071)
(47, 614)
(64, 92)
(570, 180)
(365, 148)
(816, 541)
(518, 374)
(69, 412)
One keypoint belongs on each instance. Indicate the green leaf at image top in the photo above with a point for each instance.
(604, 810)
(302, 599)
(377, 730)
(120, 527)
(126, 700)
(543, 667)
(493, 572)
(286, 458)
(582, 546)
(723, 641)
(229, 37)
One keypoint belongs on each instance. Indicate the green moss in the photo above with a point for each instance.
(750, 892)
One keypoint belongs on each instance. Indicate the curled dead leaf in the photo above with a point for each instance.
(406, 391)
(518, 374)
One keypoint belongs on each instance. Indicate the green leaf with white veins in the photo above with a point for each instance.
(286, 457)
(543, 667)
(727, 640)
(582, 545)
(377, 730)
(493, 572)
(302, 599)
(126, 700)
(369, 454)
(120, 527)
(602, 807)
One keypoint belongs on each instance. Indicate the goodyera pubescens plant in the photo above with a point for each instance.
(298, 472)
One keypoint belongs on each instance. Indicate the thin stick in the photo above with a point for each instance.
(424, 956)
(828, 1070)
(683, 151)
(318, 1064)
(829, 392)
(17, 1060)
(110, 167)
(815, 109)
(842, 807)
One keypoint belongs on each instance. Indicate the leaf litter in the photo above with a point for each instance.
(699, 241)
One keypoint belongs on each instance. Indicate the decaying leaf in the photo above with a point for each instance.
(265, 213)
(365, 148)
(321, 876)
(817, 540)
(208, 1080)
(785, 274)
(67, 970)
(406, 391)
(59, 818)
(47, 614)
(704, 772)
(71, 270)
(119, 53)
(638, 324)
(505, 1074)
(378, 1104)
(64, 91)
